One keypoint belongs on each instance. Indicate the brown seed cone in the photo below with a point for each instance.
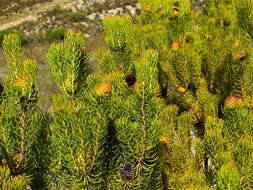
(130, 80)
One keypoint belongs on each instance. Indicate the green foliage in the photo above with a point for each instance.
(117, 40)
(247, 79)
(78, 143)
(79, 120)
(11, 183)
(182, 153)
(170, 109)
(20, 125)
(220, 138)
(137, 131)
(119, 35)
(12, 50)
(244, 9)
(228, 177)
(11, 31)
(55, 34)
(75, 16)
(207, 62)
(55, 10)
(67, 61)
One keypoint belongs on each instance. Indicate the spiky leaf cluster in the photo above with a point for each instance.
(67, 61)
(20, 123)
(119, 37)
(138, 131)
(230, 161)
(9, 182)
(205, 59)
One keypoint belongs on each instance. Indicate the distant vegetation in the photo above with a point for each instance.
(75, 17)
(55, 34)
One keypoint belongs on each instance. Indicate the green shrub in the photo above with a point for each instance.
(55, 34)
(55, 10)
(12, 31)
(74, 17)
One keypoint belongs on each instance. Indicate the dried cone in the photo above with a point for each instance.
(240, 55)
(103, 88)
(233, 101)
(182, 90)
(175, 46)
(127, 171)
(164, 141)
(130, 80)
(226, 23)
